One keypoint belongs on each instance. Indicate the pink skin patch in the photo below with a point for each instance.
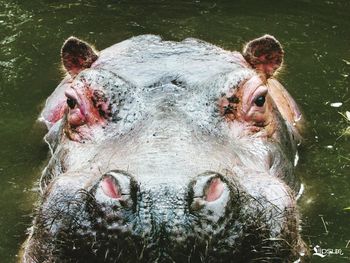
(215, 190)
(87, 109)
(55, 106)
(76, 116)
(110, 188)
(56, 113)
(87, 113)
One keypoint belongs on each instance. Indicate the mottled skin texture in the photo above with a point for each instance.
(169, 152)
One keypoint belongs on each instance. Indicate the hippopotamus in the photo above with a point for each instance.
(165, 151)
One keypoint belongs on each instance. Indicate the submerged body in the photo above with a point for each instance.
(169, 152)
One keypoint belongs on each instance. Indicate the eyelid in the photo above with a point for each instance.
(71, 94)
(260, 91)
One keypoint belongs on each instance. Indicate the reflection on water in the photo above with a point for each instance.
(316, 38)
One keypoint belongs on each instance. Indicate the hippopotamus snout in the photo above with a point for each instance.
(208, 218)
(205, 198)
(140, 221)
(189, 203)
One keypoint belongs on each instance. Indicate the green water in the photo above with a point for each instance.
(316, 38)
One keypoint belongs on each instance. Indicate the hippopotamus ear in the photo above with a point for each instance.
(77, 55)
(264, 54)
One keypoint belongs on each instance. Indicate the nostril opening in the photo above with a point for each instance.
(214, 190)
(110, 187)
(115, 188)
(206, 189)
(209, 195)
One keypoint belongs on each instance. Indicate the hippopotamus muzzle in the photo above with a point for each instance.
(169, 152)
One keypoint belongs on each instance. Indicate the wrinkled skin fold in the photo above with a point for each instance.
(169, 152)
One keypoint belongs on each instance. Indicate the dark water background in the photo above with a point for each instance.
(316, 38)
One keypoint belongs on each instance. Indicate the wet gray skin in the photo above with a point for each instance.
(169, 152)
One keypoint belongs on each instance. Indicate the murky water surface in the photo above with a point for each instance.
(316, 38)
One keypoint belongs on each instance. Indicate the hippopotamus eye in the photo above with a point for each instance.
(71, 102)
(260, 101)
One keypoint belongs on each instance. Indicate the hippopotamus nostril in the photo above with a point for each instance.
(209, 195)
(116, 187)
(214, 190)
(110, 187)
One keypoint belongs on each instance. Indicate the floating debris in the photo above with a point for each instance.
(346, 62)
(336, 104)
(347, 114)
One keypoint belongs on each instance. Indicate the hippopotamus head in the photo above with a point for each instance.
(169, 152)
